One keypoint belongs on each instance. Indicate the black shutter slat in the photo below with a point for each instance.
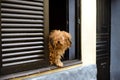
(21, 11)
(4, 20)
(20, 6)
(23, 34)
(22, 29)
(21, 25)
(19, 58)
(22, 43)
(23, 53)
(11, 15)
(104, 36)
(21, 62)
(21, 39)
(101, 42)
(22, 48)
(25, 2)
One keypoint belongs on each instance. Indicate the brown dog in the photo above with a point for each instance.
(59, 41)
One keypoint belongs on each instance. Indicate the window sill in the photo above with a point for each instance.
(31, 73)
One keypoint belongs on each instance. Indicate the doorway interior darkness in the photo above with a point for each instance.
(63, 15)
(58, 14)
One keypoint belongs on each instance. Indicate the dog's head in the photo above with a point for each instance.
(60, 39)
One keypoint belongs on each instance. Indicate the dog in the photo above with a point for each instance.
(59, 42)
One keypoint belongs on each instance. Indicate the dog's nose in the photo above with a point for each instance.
(59, 42)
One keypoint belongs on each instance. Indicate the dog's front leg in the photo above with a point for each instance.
(58, 61)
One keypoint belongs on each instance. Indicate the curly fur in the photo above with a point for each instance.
(59, 41)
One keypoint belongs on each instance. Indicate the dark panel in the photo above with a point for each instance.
(103, 39)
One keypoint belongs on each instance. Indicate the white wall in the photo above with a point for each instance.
(115, 40)
(88, 28)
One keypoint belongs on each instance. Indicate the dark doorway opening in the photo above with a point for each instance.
(58, 14)
(58, 17)
(64, 15)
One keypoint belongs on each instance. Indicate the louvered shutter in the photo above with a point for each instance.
(103, 39)
(24, 31)
(103, 28)
(103, 45)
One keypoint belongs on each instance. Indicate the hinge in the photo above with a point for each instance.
(78, 21)
(67, 22)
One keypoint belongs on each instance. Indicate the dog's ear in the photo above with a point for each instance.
(69, 42)
(68, 39)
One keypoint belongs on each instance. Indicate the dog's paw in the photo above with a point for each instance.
(60, 64)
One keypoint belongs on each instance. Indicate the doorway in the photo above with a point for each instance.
(63, 16)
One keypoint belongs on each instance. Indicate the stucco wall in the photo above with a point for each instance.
(115, 40)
